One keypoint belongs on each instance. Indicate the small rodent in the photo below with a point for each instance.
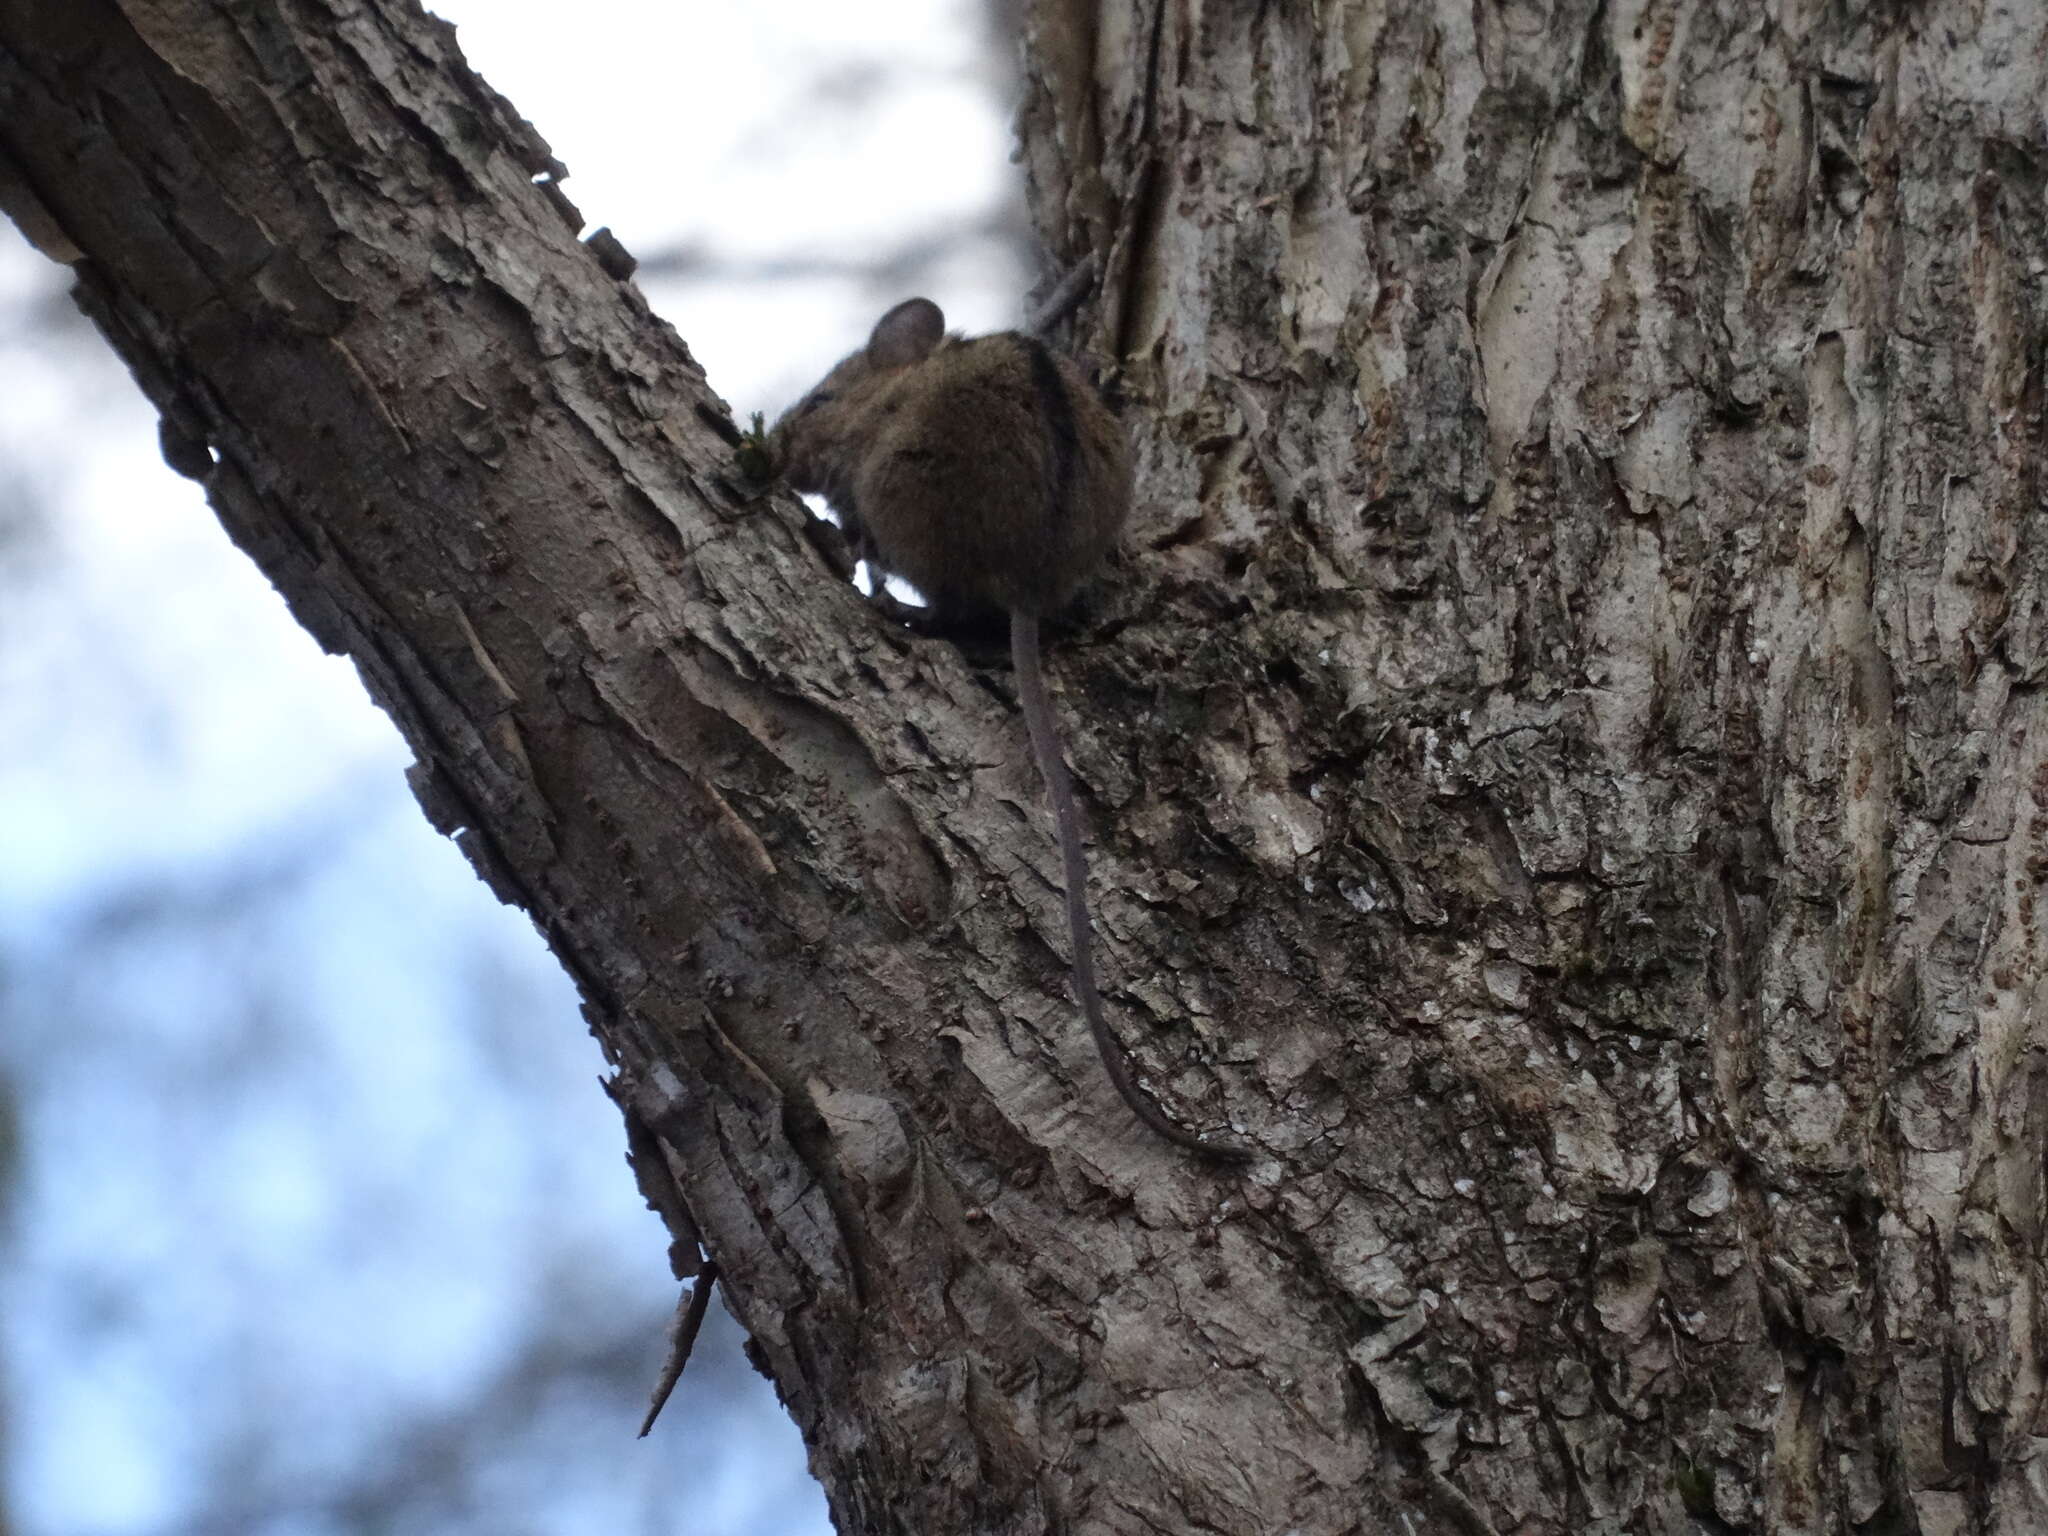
(987, 474)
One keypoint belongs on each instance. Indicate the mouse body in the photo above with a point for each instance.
(988, 474)
(984, 471)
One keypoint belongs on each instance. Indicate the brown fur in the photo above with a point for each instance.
(945, 456)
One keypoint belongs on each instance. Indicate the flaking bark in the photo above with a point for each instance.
(1564, 741)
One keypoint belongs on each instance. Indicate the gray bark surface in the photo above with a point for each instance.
(1563, 742)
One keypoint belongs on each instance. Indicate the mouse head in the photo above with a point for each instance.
(819, 439)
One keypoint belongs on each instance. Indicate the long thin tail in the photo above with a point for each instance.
(1052, 764)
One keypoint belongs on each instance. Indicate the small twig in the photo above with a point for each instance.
(643, 1103)
(690, 1309)
(1066, 294)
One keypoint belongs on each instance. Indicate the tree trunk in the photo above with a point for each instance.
(1564, 743)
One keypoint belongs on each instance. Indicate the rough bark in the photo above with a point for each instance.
(1565, 745)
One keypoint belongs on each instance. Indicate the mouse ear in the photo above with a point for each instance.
(906, 334)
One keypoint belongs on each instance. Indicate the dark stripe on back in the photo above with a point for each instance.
(1056, 409)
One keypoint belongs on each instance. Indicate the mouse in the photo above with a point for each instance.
(987, 473)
